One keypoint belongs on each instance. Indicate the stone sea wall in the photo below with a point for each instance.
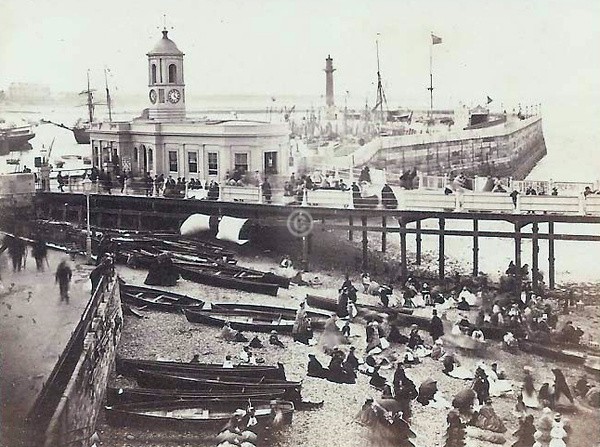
(74, 419)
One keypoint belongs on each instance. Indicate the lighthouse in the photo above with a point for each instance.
(329, 82)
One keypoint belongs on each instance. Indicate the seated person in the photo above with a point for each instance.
(463, 305)
(315, 368)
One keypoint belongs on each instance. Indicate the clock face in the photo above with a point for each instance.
(174, 96)
(153, 96)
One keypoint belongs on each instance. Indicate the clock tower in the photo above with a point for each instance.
(166, 89)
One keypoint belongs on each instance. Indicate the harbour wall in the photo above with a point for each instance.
(511, 150)
(68, 406)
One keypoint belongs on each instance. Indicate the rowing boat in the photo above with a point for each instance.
(331, 304)
(158, 299)
(151, 379)
(555, 352)
(194, 413)
(226, 279)
(318, 319)
(241, 320)
(131, 395)
(128, 367)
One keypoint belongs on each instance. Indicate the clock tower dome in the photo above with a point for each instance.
(166, 89)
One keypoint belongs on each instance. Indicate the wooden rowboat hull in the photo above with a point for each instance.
(158, 299)
(321, 302)
(129, 367)
(262, 322)
(133, 395)
(189, 414)
(226, 281)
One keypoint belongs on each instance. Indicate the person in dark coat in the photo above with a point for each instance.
(274, 339)
(377, 381)
(481, 386)
(388, 198)
(560, 387)
(351, 359)
(315, 368)
(404, 391)
(266, 191)
(16, 250)
(436, 326)
(63, 277)
(414, 339)
(39, 251)
(342, 304)
(104, 268)
(162, 272)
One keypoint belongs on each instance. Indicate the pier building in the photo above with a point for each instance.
(163, 140)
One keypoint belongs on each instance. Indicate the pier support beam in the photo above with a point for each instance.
(475, 247)
(442, 255)
(383, 234)
(535, 249)
(551, 255)
(365, 243)
(518, 255)
(403, 266)
(305, 250)
(418, 241)
(350, 232)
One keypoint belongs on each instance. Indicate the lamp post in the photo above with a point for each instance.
(87, 189)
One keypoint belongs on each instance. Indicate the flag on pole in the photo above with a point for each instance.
(435, 39)
(489, 99)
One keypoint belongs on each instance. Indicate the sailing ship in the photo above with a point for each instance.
(14, 138)
(81, 129)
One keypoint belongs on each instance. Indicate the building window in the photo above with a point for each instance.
(241, 162)
(150, 160)
(213, 163)
(271, 162)
(153, 73)
(161, 95)
(193, 162)
(173, 161)
(172, 74)
(135, 155)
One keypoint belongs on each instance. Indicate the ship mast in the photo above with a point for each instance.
(380, 93)
(108, 99)
(90, 99)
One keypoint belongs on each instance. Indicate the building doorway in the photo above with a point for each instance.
(270, 163)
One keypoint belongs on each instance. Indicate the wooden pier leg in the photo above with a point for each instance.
(475, 247)
(305, 264)
(403, 266)
(518, 245)
(551, 255)
(535, 249)
(65, 212)
(365, 244)
(442, 255)
(518, 255)
(350, 232)
(418, 240)
(383, 234)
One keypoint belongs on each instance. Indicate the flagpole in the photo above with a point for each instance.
(431, 78)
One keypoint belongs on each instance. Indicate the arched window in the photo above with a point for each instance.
(153, 73)
(172, 73)
(135, 155)
(150, 160)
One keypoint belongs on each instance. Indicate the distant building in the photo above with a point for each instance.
(23, 92)
(164, 141)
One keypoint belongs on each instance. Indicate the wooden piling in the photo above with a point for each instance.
(351, 224)
(551, 254)
(442, 255)
(418, 240)
(403, 266)
(535, 248)
(365, 243)
(383, 234)
(475, 247)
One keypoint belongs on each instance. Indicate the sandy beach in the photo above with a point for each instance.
(172, 337)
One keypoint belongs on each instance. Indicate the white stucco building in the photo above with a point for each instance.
(164, 141)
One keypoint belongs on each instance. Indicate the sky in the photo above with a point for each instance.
(515, 51)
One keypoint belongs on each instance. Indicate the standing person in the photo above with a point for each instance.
(16, 251)
(148, 184)
(39, 251)
(266, 190)
(108, 183)
(63, 278)
(123, 181)
(436, 326)
(61, 181)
